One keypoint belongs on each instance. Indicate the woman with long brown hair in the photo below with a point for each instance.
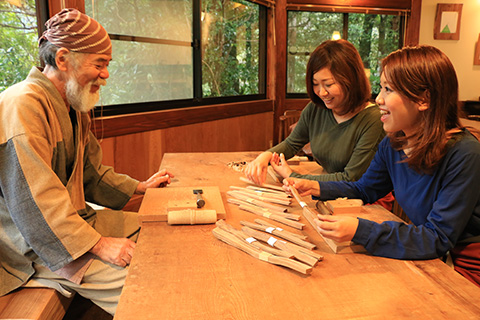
(429, 159)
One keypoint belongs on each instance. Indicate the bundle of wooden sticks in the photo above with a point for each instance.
(296, 254)
(268, 201)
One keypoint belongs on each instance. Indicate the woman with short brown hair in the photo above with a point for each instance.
(340, 124)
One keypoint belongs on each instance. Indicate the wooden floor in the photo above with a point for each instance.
(83, 309)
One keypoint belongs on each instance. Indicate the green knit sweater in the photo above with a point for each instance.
(343, 150)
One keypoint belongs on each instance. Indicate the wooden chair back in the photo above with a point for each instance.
(288, 118)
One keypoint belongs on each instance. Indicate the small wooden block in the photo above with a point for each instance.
(343, 247)
(293, 162)
(340, 206)
(157, 202)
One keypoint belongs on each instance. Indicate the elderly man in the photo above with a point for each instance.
(50, 165)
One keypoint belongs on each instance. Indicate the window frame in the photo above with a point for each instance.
(198, 99)
(275, 101)
(345, 12)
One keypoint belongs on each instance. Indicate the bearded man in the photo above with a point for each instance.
(50, 165)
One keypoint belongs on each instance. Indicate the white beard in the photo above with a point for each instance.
(80, 98)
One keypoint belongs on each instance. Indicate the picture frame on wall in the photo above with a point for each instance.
(447, 21)
(476, 59)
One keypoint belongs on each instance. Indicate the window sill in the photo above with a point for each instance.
(113, 126)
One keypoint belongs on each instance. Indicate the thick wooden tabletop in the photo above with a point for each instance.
(184, 272)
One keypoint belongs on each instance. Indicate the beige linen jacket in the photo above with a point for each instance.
(48, 169)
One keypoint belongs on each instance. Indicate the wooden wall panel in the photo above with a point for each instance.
(139, 155)
(108, 145)
(244, 133)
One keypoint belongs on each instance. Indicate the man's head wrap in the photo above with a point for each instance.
(77, 32)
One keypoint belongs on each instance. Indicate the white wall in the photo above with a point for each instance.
(461, 51)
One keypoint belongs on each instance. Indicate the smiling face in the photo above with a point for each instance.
(398, 112)
(89, 72)
(328, 89)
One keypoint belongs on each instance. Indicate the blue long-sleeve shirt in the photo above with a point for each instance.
(444, 206)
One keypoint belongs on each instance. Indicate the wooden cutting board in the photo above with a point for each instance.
(157, 201)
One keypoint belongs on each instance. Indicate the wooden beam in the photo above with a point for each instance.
(280, 34)
(113, 126)
(412, 35)
(55, 6)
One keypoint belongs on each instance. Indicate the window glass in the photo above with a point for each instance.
(156, 57)
(142, 72)
(161, 19)
(156, 63)
(18, 41)
(230, 48)
(306, 30)
(373, 35)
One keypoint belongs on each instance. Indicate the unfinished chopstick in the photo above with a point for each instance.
(254, 195)
(273, 216)
(259, 203)
(267, 214)
(323, 208)
(257, 244)
(311, 218)
(279, 233)
(269, 191)
(273, 174)
(276, 195)
(261, 255)
(291, 246)
(297, 197)
(280, 244)
(265, 185)
(268, 224)
(264, 211)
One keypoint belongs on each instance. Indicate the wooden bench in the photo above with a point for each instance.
(34, 303)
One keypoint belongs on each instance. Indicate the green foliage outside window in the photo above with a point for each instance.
(155, 69)
(306, 30)
(373, 35)
(230, 48)
(18, 41)
(151, 69)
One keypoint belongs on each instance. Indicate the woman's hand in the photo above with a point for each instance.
(303, 186)
(280, 165)
(158, 180)
(339, 228)
(256, 170)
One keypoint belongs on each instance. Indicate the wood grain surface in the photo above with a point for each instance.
(184, 272)
(156, 201)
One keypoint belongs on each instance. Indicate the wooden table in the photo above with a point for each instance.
(184, 272)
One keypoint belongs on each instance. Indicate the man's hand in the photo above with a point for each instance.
(280, 165)
(304, 187)
(256, 170)
(158, 180)
(338, 228)
(118, 251)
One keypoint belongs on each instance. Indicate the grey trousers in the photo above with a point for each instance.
(103, 282)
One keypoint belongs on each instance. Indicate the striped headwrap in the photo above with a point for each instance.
(77, 32)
